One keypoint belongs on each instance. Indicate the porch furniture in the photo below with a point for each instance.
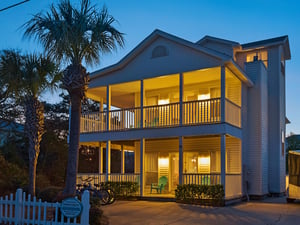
(160, 185)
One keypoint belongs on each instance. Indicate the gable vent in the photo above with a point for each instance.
(159, 51)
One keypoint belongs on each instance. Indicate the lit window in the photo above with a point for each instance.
(204, 164)
(259, 55)
(204, 96)
(163, 101)
(163, 162)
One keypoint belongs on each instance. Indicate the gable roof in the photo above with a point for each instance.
(283, 40)
(215, 39)
(147, 41)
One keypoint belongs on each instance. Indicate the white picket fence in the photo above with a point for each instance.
(22, 210)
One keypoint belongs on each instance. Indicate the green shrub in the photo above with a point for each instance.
(49, 194)
(123, 189)
(192, 193)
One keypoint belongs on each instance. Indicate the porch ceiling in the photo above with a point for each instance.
(123, 94)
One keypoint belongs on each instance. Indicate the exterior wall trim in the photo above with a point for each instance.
(136, 134)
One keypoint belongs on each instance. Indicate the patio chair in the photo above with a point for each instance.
(160, 185)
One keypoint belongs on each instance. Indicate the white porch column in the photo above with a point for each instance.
(108, 158)
(142, 104)
(181, 84)
(142, 154)
(100, 159)
(223, 93)
(180, 159)
(108, 102)
(122, 160)
(223, 159)
(101, 127)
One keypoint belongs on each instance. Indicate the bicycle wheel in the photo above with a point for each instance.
(111, 196)
(104, 197)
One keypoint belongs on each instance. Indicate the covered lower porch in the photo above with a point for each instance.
(159, 165)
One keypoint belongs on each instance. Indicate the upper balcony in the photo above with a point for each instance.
(191, 98)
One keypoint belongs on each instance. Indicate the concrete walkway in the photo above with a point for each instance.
(268, 212)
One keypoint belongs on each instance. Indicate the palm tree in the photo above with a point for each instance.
(26, 77)
(75, 35)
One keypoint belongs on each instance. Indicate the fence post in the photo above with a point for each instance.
(18, 207)
(86, 208)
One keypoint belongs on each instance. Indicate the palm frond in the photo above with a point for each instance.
(75, 34)
(27, 75)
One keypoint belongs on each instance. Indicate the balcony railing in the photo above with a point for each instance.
(232, 113)
(201, 179)
(95, 178)
(193, 112)
(93, 122)
(123, 119)
(202, 111)
(161, 115)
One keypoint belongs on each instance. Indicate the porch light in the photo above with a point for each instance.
(163, 101)
(204, 96)
(204, 160)
(163, 162)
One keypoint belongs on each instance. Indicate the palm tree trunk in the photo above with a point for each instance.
(74, 132)
(34, 130)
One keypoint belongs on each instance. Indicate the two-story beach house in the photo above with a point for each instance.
(210, 112)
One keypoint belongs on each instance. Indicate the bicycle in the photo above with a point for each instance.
(102, 194)
(110, 192)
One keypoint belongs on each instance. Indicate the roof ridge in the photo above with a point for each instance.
(217, 39)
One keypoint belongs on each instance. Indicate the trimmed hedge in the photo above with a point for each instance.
(123, 189)
(200, 194)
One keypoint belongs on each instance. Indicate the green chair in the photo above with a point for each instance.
(160, 185)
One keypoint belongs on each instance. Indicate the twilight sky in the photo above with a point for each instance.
(242, 21)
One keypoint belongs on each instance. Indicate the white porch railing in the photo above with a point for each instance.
(232, 113)
(23, 210)
(93, 122)
(127, 177)
(123, 119)
(202, 111)
(161, 115)
(98, 178)
(193, 112)
(201, 179)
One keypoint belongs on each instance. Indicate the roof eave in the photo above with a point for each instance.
(224, 41)
(284, 43)
(239, 72)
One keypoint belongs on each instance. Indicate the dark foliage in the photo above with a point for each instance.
(200, 194)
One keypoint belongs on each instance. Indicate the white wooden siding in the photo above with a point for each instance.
(233, 87)
(162, 145)
(205, 145)
(201, 144)
(276, 116)
(257, 139)
(180, 59)
(233, 155)
(282, 127)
